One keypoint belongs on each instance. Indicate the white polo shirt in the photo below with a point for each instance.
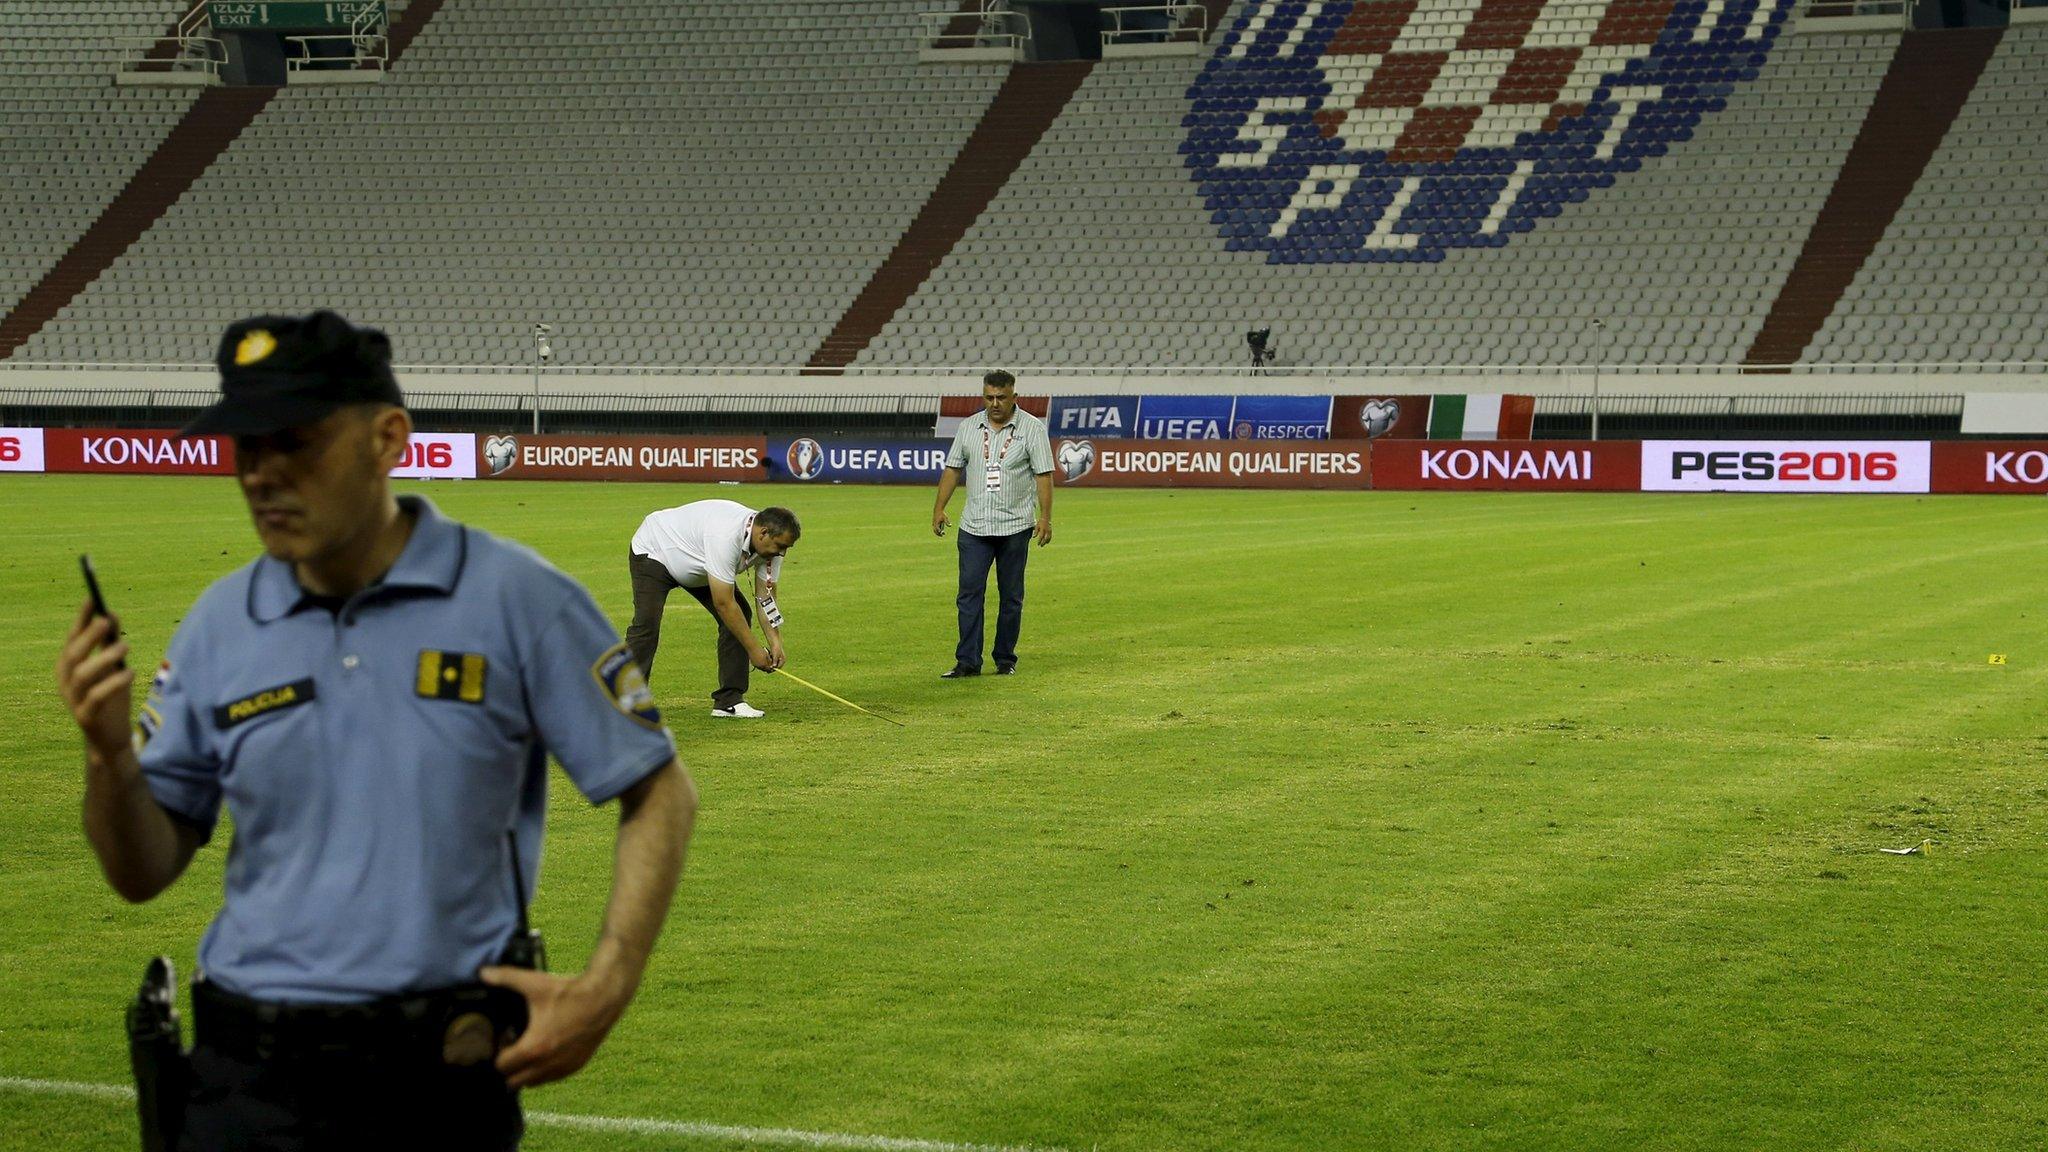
(701, 542)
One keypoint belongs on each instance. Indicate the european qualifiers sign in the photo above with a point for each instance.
(1211, 464)
(293, 15)
(566, 457)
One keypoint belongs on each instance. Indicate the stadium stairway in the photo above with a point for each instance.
(966, 22)
(1031, 98)
(209, 126)
(1930, 79)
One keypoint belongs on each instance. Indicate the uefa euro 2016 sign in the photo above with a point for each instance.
(1396, 130)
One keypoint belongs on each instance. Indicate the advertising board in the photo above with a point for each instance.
(1211, 464)
(1506, 465)
(1785, 466)
(697, 459)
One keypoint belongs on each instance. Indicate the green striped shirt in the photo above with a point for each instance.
(1022, 453)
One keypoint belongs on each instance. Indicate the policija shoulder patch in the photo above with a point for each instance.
(149, 720)
(452, 676)
(263, 703)
(626, 686)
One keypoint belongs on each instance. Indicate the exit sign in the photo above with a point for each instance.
(235, 14)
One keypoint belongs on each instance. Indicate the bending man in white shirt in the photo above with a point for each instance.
(702, 548)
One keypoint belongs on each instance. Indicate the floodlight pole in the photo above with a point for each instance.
(540, 353)
(1602, 329)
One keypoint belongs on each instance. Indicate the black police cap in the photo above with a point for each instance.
(279, 372)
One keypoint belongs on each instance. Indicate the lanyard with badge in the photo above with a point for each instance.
(764, 585)
(993, 465)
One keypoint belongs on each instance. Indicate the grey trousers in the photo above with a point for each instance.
(651, 586)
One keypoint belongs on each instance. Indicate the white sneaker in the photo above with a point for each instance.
(739, 711)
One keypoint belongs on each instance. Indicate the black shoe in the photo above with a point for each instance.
(1006, 669)
(957, 671)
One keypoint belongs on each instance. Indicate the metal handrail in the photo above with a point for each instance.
(841, 404)
(989, 32)
(195, 54)
(1338, 371)
(1822, 403)
(1181, 19)
(368, 22)
(1815, 404)
(1869, 14)
(371, 49)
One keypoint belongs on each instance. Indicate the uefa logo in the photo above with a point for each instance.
(498, 453)
(1076, 458)
(805, 459)
(1379, 417)
(1397, 130)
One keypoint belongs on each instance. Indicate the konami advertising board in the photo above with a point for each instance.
(1508, 465)
(2012, 466)
(162, 452)
(154, 451)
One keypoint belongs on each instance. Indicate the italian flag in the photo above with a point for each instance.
(1481, 416)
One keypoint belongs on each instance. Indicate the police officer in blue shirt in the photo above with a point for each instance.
(374, 700)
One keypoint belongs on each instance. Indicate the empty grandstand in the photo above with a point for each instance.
(800, 182)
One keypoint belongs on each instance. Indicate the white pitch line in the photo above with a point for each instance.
(777, 1137)
(66, 1088)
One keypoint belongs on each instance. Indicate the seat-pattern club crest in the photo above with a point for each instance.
(1396, 130)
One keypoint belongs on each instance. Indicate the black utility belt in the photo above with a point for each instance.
(461, 1026)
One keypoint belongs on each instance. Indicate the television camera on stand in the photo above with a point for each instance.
(1258, 340)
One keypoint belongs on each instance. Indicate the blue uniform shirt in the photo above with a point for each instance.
(374, 757)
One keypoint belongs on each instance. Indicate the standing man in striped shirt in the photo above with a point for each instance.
(1004, 459)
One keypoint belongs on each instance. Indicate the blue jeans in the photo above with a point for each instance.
(1008, 554)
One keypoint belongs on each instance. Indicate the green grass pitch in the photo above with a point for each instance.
(1313, 820)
